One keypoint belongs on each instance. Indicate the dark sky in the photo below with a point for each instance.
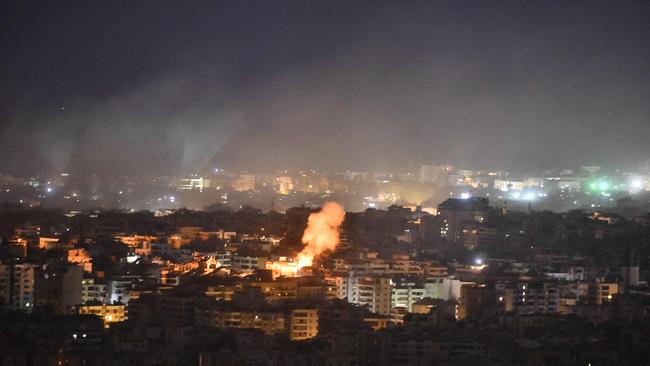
(173, 87)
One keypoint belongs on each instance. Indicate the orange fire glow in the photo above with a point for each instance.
(283, 268)
(322, 232)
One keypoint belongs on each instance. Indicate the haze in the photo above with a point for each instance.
(169, 87)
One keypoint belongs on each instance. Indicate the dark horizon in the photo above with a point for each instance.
(128, 88)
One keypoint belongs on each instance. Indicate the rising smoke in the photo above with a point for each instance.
(322, 232)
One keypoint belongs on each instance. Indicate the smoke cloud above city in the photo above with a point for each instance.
(178, 88)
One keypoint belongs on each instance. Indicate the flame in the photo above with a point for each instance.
(283, 268)
(322, 232)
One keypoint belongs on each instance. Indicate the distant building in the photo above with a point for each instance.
(47, 243)
(109, 313)
(303, 324)
(118, 289)
(432, 173)
(193, 183)
(82, 258)
(244, 183)
(404, 295)
(246, 263)
(17, 287)
(371, 291)
(600, 292)
(509, 185)
(59, 287)
(135, 241)
(477, 235)
(93, 291)
(456, 212)
(531, 298)
(268, 321)
(476, 300)
(442, 288)
(284, 185)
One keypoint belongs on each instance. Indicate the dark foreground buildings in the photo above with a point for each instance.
(471, 285)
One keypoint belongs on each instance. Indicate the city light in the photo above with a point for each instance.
(368, 183)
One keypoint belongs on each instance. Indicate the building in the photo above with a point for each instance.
(176, 309)
(17, 287)
(476, 235)
(456, 212)
(135, 241)
(93, 291)
(244, 183)
(476, 300)
(246, 263)
(371, 291)
(82, 258)
(109, 313)
(118, 289)
(600, 292)
(509, 185)
(193, 183)
(58, 286)
(531, 298)
(268, 321)
(442, 288)
(284, 185)
(303, 324)
(405, 294)
(47, 243)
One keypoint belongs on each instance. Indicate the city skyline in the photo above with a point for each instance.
(325, 183)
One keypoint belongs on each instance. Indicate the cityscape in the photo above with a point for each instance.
(368, 183)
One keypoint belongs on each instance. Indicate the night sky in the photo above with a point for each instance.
(176, 87)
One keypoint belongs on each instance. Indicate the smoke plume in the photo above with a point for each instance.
(322, 232)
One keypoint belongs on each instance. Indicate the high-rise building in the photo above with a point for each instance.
(456, 212)
(373, 291)
(59, 287)
(476, 300)
(17, 286)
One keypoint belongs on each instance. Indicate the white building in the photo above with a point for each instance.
(187, 184)
(404, 295)
(371, 291)
(118, 289)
